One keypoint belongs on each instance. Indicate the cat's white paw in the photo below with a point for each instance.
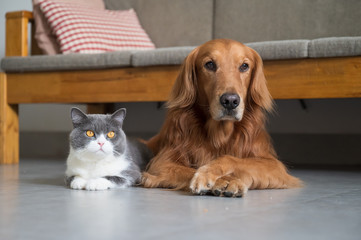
(78, 183)
(98, 184)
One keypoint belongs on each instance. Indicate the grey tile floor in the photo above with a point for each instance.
(34, 204)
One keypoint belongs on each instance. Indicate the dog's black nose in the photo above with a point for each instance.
(229, 100)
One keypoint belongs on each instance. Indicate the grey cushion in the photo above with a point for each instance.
(172, 23)
(335, 47)
(66, 62)
(287, 49)
(265, 20)
(271, 50)
(161, 56)
(268, 50)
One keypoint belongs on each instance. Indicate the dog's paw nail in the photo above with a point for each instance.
(239, 195)
(194, 190)
(204, 192)
(217, 193)
(228, 194)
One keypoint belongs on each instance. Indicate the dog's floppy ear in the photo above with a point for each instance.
(258, 91)
(183, 94)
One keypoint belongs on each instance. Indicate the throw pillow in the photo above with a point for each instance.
(81, 29)
(44, 37)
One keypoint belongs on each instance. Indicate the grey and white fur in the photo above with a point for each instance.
(101, 156)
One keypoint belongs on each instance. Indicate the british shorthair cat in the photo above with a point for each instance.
(101, 156)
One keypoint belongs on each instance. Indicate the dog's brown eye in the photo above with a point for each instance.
(211, 66)
(244, 67)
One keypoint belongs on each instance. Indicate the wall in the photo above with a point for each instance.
(8, 6)
(331, 128)
(322, 116)
(327, 132)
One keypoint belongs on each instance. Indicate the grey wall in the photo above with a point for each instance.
(8, 6)
(327, 132)
(322, 116)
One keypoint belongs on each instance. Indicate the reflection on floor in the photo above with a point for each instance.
(36, 205)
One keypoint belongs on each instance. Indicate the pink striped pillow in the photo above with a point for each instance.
(80, 29)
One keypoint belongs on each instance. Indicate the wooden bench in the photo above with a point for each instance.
(287, 79)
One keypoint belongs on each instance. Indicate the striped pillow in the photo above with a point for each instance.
(80, 29)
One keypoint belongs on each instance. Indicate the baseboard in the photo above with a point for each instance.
(318, 149)
(44, 145)
(293, 149)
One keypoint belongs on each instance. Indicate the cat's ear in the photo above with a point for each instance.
(119, 115)
(77, 116)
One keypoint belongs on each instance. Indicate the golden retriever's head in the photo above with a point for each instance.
(222, 76)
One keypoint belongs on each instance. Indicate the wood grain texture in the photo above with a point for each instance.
(314, 78)
(95, 86)
(20, 14)
(287, 79)
(9, 127)
(17, 33)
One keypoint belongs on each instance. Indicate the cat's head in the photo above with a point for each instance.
(98, 135)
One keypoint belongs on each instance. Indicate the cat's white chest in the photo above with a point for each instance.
(78, 165)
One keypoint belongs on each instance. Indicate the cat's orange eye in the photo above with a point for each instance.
(111, 134)
(90, 133)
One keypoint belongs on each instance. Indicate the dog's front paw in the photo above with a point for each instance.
(98, 184)
(78, 183)
(226, 187)
(202, 183)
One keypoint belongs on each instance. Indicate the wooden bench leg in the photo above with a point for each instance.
(9, 127)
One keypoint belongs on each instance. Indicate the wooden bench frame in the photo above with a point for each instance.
(287, 79)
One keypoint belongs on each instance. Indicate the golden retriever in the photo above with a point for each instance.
(213, 139)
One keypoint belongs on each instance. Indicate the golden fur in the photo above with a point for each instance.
(205, 148)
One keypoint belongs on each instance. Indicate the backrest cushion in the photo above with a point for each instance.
(80, 29)
(172, 23)
(44, 37)
(266, 20)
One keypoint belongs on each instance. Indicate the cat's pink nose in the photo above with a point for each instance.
(101, 144)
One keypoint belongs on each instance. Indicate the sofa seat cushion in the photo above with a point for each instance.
(160, 56)
(271, 50)
(67, 62)
(335, 47)
(287, 49)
